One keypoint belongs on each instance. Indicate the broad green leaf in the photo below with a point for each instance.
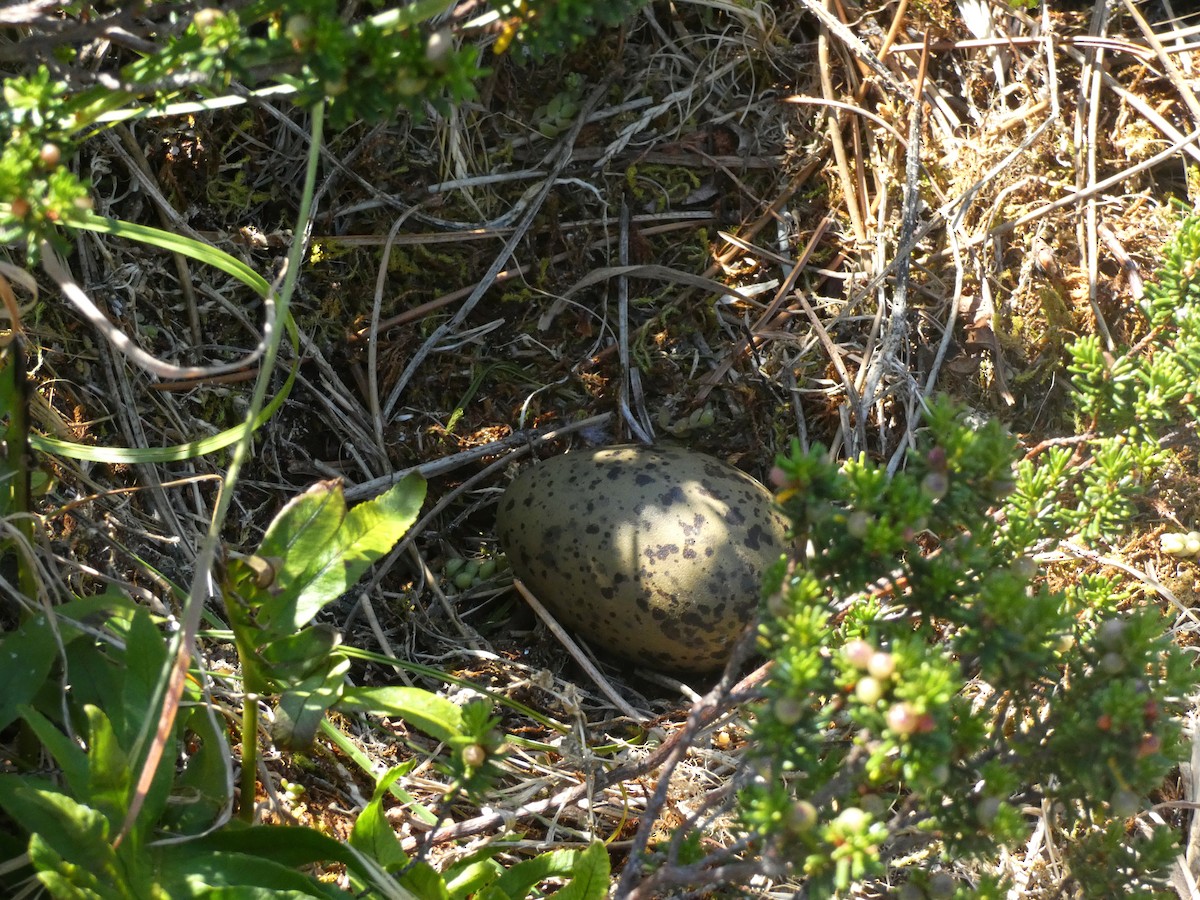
(373, 834)
(112, 604)
(97, 673)
(146, 663)
(294, 846)
(367, 532)
(295, 656)
(300, 535)
(71, 758)
(425, 882)
(109, 771)
(467, 880)
(434, 715)
(519, 880)
(591, 875)
(64, 879)
(26, 657)
(145, 660)
(235, 875)
(75, 832)
(301, 709)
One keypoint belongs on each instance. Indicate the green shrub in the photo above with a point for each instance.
(925, 683)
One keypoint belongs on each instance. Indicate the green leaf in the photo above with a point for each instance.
(321, 560)
(145, 661)
(426, 882)
(300, 710)
(373, 834)
(231, 874)
(590, 881)
(434, 715)
(109, 770)
(66, 880)
(26, 657)
(295, 656)
(293, 847)
(112, 604)
(75, 832)
(352, 751)
(97, 673)
(471, 878)
(519, 880)
(300, 536)
(71, 758)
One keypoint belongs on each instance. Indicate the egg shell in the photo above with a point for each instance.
(654, 554)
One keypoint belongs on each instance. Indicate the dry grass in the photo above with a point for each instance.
(740, 210)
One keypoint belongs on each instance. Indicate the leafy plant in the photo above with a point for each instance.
(93, 683)
(925, 687)
(957, 692)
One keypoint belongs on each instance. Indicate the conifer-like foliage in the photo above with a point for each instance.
(409, 57)
(928, 688)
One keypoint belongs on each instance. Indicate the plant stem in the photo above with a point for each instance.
(249, 758)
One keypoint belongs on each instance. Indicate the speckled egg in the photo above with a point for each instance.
(655, 554)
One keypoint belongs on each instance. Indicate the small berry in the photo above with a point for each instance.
(50, 155)
(788, 710)
(438, 45)
(941, 884)
(1191, 543)
(1002, 487)
(803, 816)
(873, 804)
(858, 653)
(1024, 567)
(857, 524)
(1124, 803)
(881, 665)
(902, 719)
(869, 690)
(852, 819)
(298, 31)
(205, 19)
(474, 755)
(935, 485)
(1111, 632)
(1150, 745)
